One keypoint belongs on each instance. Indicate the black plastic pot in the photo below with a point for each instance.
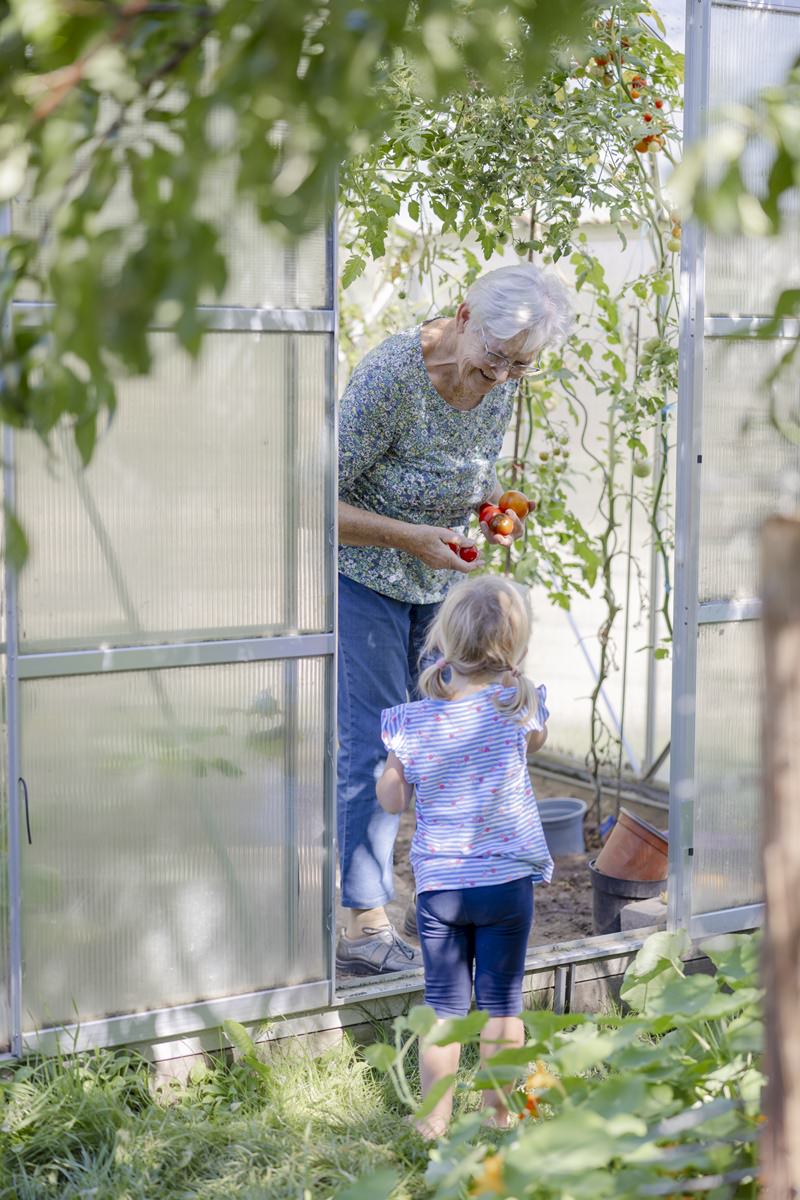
(610, 895)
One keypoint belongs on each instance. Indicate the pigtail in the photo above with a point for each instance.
(524, 701)
(431, 681)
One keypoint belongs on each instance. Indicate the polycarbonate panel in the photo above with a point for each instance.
(751, 49)
(204, 511)
(726, 865)
(749, 470)
(264, 270)
(176, 817)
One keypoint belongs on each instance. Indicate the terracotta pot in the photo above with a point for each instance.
(634, 850)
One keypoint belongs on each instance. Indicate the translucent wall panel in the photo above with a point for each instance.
(178, 836)
(204, 511)
(751, 48)
(748, 467)
(727, 825)
(264, 271)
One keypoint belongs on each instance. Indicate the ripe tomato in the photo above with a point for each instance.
(468, 553)
(658, 103)
(516, 502)
(501, 523)
(486, 512)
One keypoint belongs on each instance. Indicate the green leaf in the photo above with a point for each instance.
(377, 1185)
(352, 269)
(585, 1048)
(16, 543)
(380, 1055)
(737, 958)
(85, 433)
(458, 1029)
(541, 1024)
(574, 1141)
(660, 951)
(238, 1036)
(420, 1019)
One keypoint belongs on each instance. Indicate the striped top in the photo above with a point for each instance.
(477, 820)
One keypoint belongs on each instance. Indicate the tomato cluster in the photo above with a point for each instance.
(496, 517)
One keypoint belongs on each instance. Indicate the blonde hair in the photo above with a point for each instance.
(482, 625)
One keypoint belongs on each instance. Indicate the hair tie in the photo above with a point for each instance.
(440, 664)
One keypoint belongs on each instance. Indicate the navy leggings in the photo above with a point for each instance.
(485, 928)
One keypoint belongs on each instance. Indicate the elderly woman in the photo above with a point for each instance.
(421, 427)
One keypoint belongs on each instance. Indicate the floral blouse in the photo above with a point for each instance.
(406, 453)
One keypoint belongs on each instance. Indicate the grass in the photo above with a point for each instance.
(95, 1126)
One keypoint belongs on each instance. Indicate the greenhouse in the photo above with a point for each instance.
(170, 698)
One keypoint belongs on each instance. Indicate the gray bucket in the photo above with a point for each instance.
(562, 822)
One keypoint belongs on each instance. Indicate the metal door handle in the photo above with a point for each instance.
(27, 809)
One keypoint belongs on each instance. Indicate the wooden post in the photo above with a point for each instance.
(780, 586)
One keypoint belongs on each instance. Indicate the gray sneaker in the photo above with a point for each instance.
(378, 952)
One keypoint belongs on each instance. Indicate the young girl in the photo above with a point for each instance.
(478, 845)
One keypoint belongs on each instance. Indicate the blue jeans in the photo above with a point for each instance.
(485, 928)
(380, 640)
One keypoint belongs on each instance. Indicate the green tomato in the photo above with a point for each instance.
(642, 468)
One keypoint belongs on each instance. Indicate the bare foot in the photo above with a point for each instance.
(429, 1129)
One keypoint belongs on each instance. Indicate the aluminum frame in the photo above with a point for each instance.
(696, 328)
(687, 512)
(761, 5)
(715, 612)
(44, 665)
(153, 654)
(788, 327)
(333, 584)
(220, 318)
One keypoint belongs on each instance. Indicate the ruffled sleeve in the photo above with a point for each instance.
(538, 719)
(394, 734)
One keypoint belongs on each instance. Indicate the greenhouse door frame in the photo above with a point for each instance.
(690, 613)
(200, 1017)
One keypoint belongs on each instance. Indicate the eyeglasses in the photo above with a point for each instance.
(499, 362)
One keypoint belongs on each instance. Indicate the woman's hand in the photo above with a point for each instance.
(430, 544)
(504, 539)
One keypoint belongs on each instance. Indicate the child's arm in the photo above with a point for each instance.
(536, 739)
(393, 789)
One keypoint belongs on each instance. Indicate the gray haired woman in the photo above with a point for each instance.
(421, 427)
